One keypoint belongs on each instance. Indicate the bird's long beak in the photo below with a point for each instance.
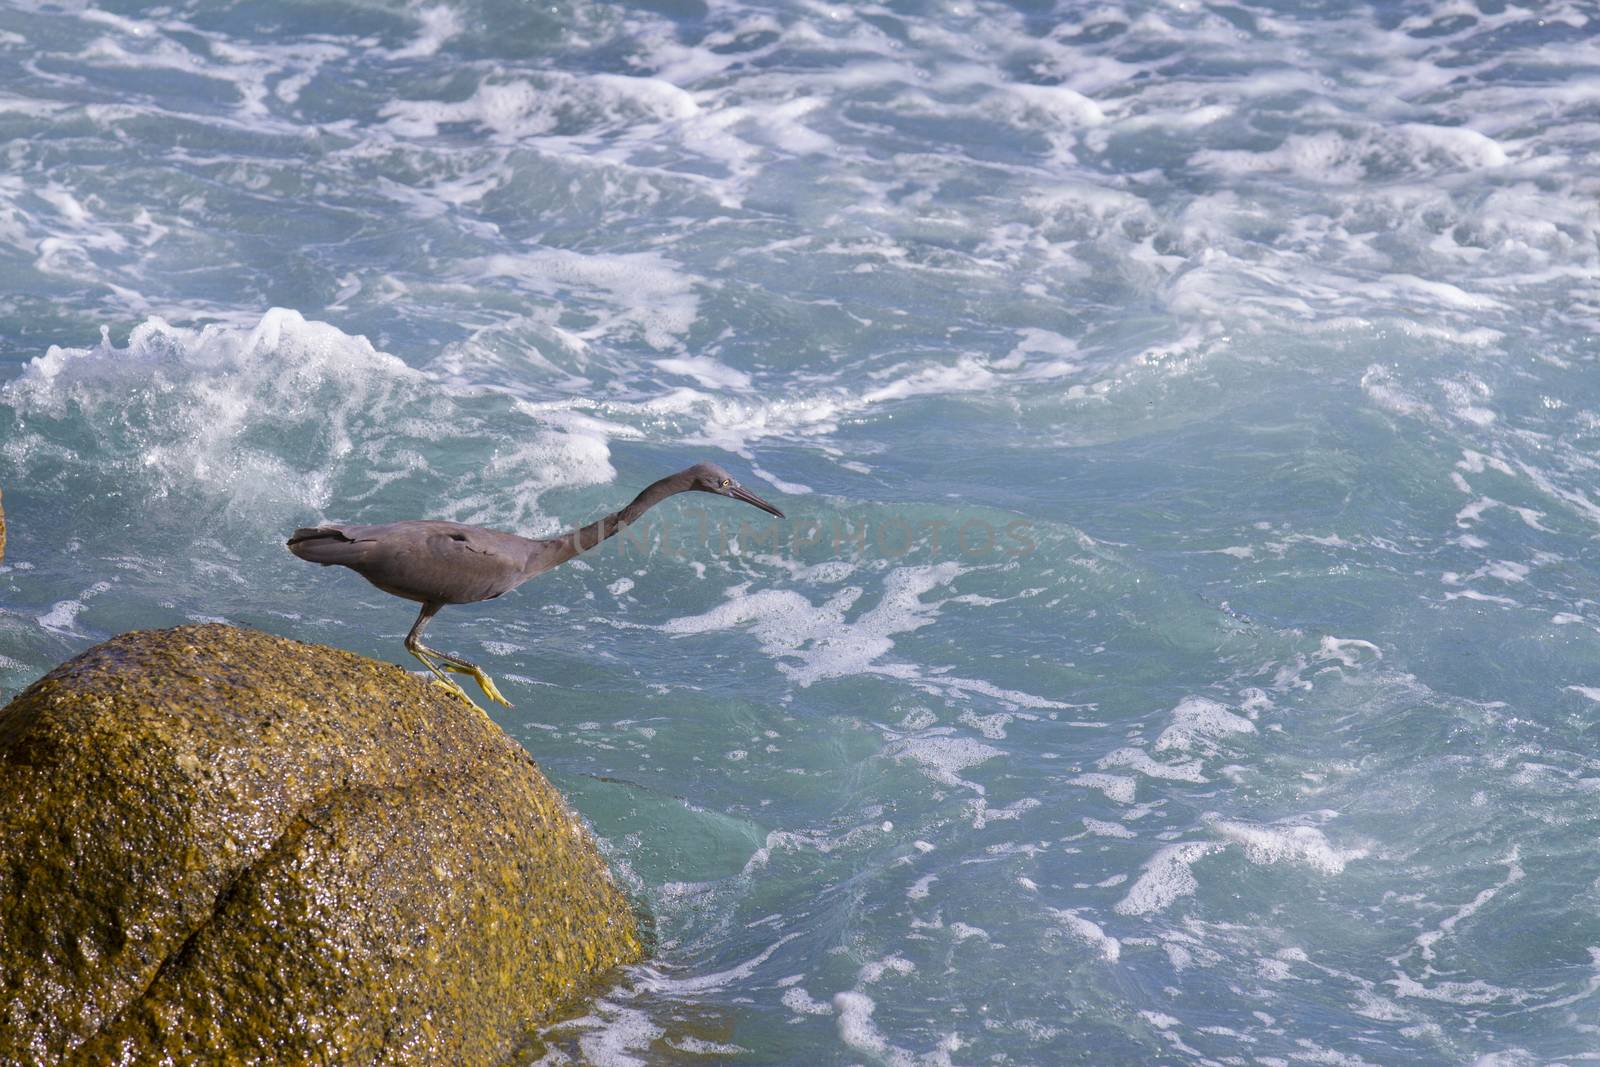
(739, 492)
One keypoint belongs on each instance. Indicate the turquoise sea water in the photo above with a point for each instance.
(1259, 337)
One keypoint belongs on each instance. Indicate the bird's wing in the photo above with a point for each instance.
(425, 559)
(476, 542)
(462, 564)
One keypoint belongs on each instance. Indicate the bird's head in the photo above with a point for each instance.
(710, 478)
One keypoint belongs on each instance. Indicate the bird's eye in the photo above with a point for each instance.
(726, 482)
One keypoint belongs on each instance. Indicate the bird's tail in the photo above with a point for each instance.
(327, 545)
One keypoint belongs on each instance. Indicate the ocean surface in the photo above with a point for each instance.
(1182, 646)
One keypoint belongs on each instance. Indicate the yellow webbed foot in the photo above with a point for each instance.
(442, 679)
(457, 691)
(489, 690)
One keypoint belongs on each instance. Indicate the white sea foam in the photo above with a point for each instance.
(1165, 878)
(706, 371)
(1281, 842)
(800, 1002)
(439, 24)
(63, 614)
(873, 970)
(983, 814)
(1347, 651)
(1089, 932)
(945, 758)
(858, 1030)
(814, 642)
(612, 1032)
(651, 296)
(516, 109)
(790, 627)
(1426, 941)
(662, 983)
(1116, 787)
(560, 449)
(1197, 724)
(991, 726)
(1137, 759)
(180, 410)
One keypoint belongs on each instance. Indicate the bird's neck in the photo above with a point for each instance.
(576, 542)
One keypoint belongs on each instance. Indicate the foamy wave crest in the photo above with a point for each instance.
(1285, 842)
(285, 421)
(266, 418)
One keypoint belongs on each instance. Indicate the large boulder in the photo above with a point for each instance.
(218, 846)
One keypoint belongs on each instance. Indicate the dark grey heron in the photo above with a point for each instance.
(436, 563)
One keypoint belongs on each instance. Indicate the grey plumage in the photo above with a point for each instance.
(428, 559)
(434, 562)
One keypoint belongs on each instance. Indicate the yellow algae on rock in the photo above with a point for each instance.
(221, 846)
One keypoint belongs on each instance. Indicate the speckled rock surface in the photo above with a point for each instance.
(2, 530)
(221, 846)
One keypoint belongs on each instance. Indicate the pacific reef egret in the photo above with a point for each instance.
(435, 563)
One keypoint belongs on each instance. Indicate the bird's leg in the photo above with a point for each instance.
(423, 653)
(447, 662)
(464, 666)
